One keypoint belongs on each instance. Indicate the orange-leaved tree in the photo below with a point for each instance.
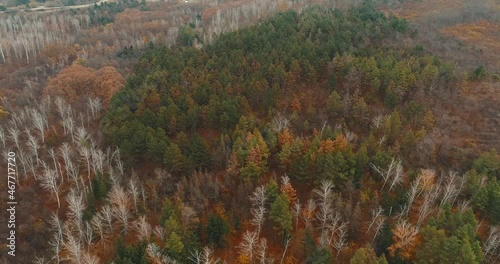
(77, 82)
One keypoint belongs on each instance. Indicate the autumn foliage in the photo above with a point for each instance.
(77, 82)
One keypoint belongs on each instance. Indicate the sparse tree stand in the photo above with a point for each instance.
(22, 2)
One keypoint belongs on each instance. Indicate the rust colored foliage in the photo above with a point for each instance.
(290, 192)
(329, 146)
(405, 240)
(58, 52)
(285, 137)
(76, 82)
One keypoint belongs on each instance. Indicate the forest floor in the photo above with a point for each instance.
(468, 34)
(482, 34)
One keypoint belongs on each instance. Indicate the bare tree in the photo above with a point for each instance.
(262, 251)
(156, 257)
(53, 154)
(325, 209)
(133, 190)
(404, 235)
(85, 153)
(159, 233)
(76, 206)
(44, 106)
(296, 210)
(308, 212)
(73, 248)
(121, 204)
(118, 162)
(40, 122)
(32, 144)
(81, 136)
(258, 199)
(107, 216)
(195, 256)
(428, 204)
(350, 136)
(61, 108)
(452, 188)
(413, 193)
(98, 160)
(56, 225)
(333, 229)
(39, 260)
(65, 153)
(22, 158)
(397, 176)
(378, 226)
(14, 134)
(341, 242)
(88, 235)
(71, 169)
(377, 121)
(30, 163)
(88, 258)
(144, 196)
(98, 225)
(376, 215)
(69, 125)
(56, 245)
(491, 247)
(57, 241)
(463, 205)
(2, 137)
(394, 173)
(280, 122)
(287, 243)
(207, 256)
(143, 228)
(50, 182)
(248, 244)
(95, 106)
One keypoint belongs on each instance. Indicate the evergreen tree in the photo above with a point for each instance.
(450, 238)
(174, 245)
(488, 164)
(173, 158)
(216, 230)
(198, 153)
(281, 215)
(272, 191)
(366, 255)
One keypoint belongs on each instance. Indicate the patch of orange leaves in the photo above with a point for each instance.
(483, 33)
(418, 9)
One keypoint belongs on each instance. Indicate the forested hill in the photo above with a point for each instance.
(253, 72)
(308, 126)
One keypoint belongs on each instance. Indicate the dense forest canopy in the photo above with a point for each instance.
(321, 96)
(249, 73)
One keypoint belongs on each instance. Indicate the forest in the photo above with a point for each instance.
(313, 133)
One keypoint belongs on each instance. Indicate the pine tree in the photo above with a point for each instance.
(366, 255)
(272, 190)
(174, 245)
(281, 215)
(199, 154)
(173, 158)
(216, 230)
